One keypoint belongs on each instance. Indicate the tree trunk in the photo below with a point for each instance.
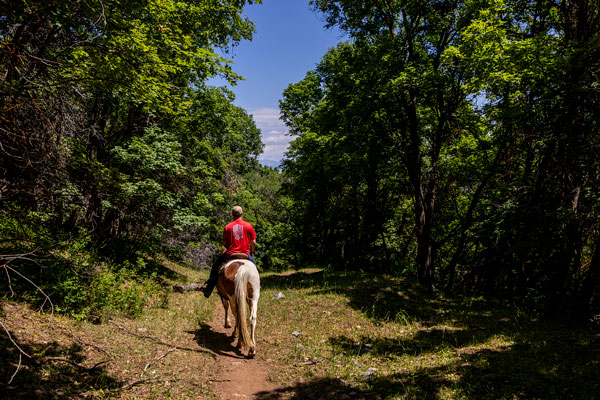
(589, 286)
(425, 268)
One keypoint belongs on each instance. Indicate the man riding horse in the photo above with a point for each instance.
(238, 237)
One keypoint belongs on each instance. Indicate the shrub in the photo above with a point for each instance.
(106, 292)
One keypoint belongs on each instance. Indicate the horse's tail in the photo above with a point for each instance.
(241, 293)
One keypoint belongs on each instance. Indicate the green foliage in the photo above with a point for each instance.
(270, 209)
(112, 144)
(70, 274)
(106, 291)
(454, 141)
(363, 149)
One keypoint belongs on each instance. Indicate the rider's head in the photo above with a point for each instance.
(237, 212)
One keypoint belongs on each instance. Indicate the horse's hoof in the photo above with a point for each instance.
(251, 353)
(227, 325)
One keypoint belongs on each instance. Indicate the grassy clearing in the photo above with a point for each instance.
(354, 335)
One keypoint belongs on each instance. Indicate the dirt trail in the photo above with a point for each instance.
(237, 377)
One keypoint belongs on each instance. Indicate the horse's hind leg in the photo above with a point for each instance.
(253, 306)
(234, 312)
(226, 307)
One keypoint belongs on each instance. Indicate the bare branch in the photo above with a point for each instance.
(21, 351)
(12, 340)
(149, 380)
(164, 343)
(157, 359)
(73, 363)
(12, 292)
(78, 340)
(7, 267)
(16, 370)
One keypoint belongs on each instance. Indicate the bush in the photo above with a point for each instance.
(106, 292)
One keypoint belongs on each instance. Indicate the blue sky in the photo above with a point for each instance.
(290, 40)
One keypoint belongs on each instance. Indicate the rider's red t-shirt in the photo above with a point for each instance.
(237, 236)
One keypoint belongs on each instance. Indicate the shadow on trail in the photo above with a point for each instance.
(220, 343)
(384, 298)
(450, 345)
(48, 374)
(421, 343)
(295, 280)
(317, 389)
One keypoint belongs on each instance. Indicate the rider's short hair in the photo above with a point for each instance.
(237, 211)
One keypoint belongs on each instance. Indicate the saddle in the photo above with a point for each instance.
(238, 256)
(234, 256)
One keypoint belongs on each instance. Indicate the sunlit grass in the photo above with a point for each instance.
(352, 334)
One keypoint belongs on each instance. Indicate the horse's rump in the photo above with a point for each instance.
(229, 270)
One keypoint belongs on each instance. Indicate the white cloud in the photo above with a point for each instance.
(274, 133)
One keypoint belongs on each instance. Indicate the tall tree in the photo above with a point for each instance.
(96, 97)
(413, 101)
(485, 111)
(534, 63)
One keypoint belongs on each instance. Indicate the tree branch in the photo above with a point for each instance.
(47, 298)
(21, 351)
(157, 359)
(214, 355)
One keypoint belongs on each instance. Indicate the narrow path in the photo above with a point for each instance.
(237, 377)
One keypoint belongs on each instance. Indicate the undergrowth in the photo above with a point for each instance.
(64, 273)
(107, 290)
(157, 355)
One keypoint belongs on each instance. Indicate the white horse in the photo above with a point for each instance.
(239, 283)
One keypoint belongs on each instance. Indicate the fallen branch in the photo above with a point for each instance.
(157, 359)
(81, 342)
(16, 370)
(312, 361)
(73, 363)
(12, 292)
(186, 288)
(21, 352)
(214, 355)
(139, 382)
(7, 268)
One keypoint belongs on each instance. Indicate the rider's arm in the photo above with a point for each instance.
(224, 245)
(252, 246)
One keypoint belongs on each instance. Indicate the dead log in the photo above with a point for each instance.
(186, 288)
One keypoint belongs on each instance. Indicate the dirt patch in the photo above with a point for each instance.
(237, 377)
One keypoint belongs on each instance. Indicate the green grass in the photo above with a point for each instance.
(333, 336)
(374, 336)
